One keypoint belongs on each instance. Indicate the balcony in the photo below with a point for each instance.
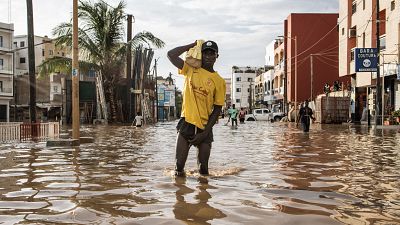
(281, 90)
(6, 91)
(6, 72)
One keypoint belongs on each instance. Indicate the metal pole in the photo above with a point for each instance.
(129, 67)
(31, 58)
(75, 73)
(383, 88)
(155, 72)
(378, 80)
(295, 77)
(311, 61)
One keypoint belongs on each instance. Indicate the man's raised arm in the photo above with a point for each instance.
(173, 54)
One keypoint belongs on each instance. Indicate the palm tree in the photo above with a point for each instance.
(101, 46)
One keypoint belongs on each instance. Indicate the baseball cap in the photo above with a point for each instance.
(209, 45)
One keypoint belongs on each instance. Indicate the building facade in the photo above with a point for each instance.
(243, 86)
(166, 91)
(6, 70)
(228, 95)
(358, 29)
(314, 36)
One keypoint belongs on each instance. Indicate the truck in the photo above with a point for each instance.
(264, 115)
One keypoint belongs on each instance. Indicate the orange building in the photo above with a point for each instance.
(316, 37)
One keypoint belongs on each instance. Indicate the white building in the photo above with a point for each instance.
(6, 70)
(228, 95)
(242, 87)
(357, 29)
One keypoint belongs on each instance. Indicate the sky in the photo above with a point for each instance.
(241, 28)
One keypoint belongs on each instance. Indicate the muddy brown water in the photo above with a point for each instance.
(261, 173)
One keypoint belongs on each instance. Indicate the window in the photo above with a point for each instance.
(354, 7)
(343, 31)
(249, 79)
(248, 90)
(1, 86)
(363, 4)
(352, 54)
(392, 5)
(55, 89)
(238, 89)
(22, 44)
(62, 54)
(15, 44)
(22, 60)
(91, 73)
(265, 111)
(1, 64)
(382, 43)
(42, 52)
(238, 79)
(1, 41)
(237, 100)
(50, 52)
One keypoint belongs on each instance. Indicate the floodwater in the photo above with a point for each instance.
(261, 173)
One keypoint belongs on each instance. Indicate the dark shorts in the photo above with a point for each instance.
(188, 131)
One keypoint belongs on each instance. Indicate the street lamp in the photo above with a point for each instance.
(295, 71)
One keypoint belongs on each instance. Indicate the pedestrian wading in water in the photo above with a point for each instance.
(305, 114)
(203, 98)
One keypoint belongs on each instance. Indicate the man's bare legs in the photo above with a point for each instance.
(203, 154)
(182, 151)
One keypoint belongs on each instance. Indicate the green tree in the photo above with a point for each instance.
(101, 46)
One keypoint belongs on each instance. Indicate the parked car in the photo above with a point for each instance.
(264, 115)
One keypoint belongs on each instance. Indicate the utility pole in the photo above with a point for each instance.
(155, 72)
(31, 58)
(312, 76)
(295, 77)
(129, 67)
(378, 79)
(75, 72)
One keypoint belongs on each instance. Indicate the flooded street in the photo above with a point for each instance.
(261, 173)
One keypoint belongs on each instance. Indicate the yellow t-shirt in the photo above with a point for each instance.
(201, 91)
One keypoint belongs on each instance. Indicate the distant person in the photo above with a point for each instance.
(305, 114)
(233, 115)
(242, 115)
(203, 98)
(228, 112)
(138, 120)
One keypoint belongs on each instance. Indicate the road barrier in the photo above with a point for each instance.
(22, 132)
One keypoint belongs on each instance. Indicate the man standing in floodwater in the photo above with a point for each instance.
(305, 114)
(203, 98)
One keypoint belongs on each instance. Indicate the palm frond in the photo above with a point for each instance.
(63, 65)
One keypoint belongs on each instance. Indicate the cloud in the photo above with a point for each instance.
(242, 29)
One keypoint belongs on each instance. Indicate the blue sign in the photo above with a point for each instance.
(398, 71)
(74, 72)
(366, 59)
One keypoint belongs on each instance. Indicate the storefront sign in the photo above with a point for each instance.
(366, 59)
(398, 71)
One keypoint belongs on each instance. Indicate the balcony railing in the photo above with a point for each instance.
(6, 90)
(4, 71)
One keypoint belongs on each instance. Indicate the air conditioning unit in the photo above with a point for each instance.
(352, 33)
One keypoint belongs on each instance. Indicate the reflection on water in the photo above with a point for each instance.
(261, 173)
(196, 209)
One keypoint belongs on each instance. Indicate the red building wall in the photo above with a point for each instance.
(315, 34)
